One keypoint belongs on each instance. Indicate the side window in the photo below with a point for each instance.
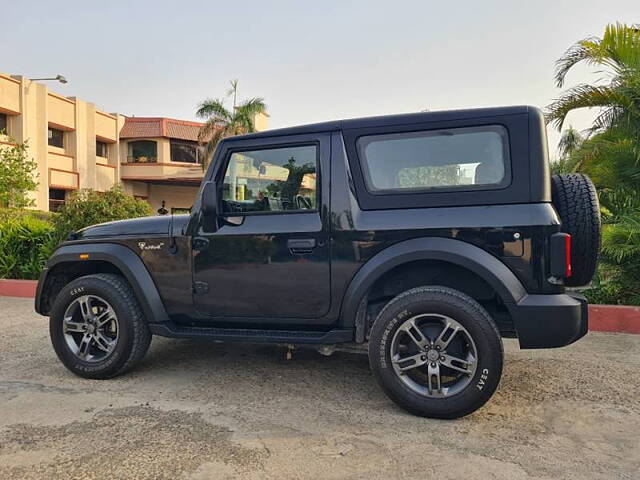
(452, 159)
(271, 180)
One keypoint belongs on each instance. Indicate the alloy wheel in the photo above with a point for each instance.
(90, 328)
(434, 355)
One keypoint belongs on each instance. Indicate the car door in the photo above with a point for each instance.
(269, 257)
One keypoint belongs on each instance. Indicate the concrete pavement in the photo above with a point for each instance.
(205, 410)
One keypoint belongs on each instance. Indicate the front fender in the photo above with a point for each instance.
(473, 258)
(121, 257)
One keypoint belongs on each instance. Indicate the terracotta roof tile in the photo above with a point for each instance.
(183, 130)
(140, 127)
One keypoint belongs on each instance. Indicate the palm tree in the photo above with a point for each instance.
(233, 91)
(570, 143)
(610, 153)
(619, 52)
(221, 122)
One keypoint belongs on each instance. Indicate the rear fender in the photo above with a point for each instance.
(473, 258)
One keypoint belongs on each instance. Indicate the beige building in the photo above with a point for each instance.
(77, 146)
(160, 160)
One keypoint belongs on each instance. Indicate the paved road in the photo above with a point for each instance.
(202, 410)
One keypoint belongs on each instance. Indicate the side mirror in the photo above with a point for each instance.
(210, 200)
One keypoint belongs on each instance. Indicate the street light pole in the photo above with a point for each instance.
(57, 78)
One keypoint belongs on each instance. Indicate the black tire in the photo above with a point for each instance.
(468, 313)
(576, 200)
(134, 336)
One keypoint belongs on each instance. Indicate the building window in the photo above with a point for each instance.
(185, 151)
(101, 149)
(142, 151)
(56, 199)
(56, 137)
(3, 123)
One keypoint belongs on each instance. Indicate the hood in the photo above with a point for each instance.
(158, 225)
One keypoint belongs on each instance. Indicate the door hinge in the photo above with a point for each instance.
(200, 288)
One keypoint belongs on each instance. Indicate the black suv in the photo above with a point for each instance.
(430, 236)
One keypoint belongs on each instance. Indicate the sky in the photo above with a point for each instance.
(310, 61)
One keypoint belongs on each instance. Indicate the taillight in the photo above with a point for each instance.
(560, 255)
(567, 256)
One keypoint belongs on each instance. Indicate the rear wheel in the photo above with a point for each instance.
(436, 352)
(97, 328)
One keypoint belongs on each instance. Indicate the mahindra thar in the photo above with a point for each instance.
(426, 236)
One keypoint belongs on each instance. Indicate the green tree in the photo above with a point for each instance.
(610, 153)
(221, 122)
(88, 207)
(17, 175)
(617, 52)
(570, 142)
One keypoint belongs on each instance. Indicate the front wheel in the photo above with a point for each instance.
(436, 352)
(97, 327)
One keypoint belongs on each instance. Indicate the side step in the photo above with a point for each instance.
(173, 330)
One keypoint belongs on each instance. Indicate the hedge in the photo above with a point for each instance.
(25, 244)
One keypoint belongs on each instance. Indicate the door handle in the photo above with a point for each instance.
(200, 243)
(301, 246)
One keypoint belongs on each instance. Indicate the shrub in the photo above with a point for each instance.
(618, 279)
(17, 175)
(11, 213)
(88, 207)
(25, 244)
(28, 237)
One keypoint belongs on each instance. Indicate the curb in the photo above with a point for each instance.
(614, 318)
(602, 318)
(18, 288)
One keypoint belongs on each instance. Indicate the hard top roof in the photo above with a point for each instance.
(401, 119)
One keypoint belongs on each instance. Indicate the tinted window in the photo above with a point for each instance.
(3, 123)
(101, 149)
(184, 151)
(458, 158)
(142, 151)
(56, 137)
(271, 180)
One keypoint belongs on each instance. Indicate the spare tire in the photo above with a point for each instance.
(576, 201)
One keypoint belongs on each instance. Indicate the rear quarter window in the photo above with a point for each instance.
(470, 158)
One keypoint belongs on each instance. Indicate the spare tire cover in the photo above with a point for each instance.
(576, 201)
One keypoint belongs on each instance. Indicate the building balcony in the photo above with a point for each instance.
(161, 171)
(63, 179)
(61, 112)
(60, 160)
(9, 95)
(142, 159)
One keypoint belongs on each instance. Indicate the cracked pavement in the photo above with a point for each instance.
(201, 410)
